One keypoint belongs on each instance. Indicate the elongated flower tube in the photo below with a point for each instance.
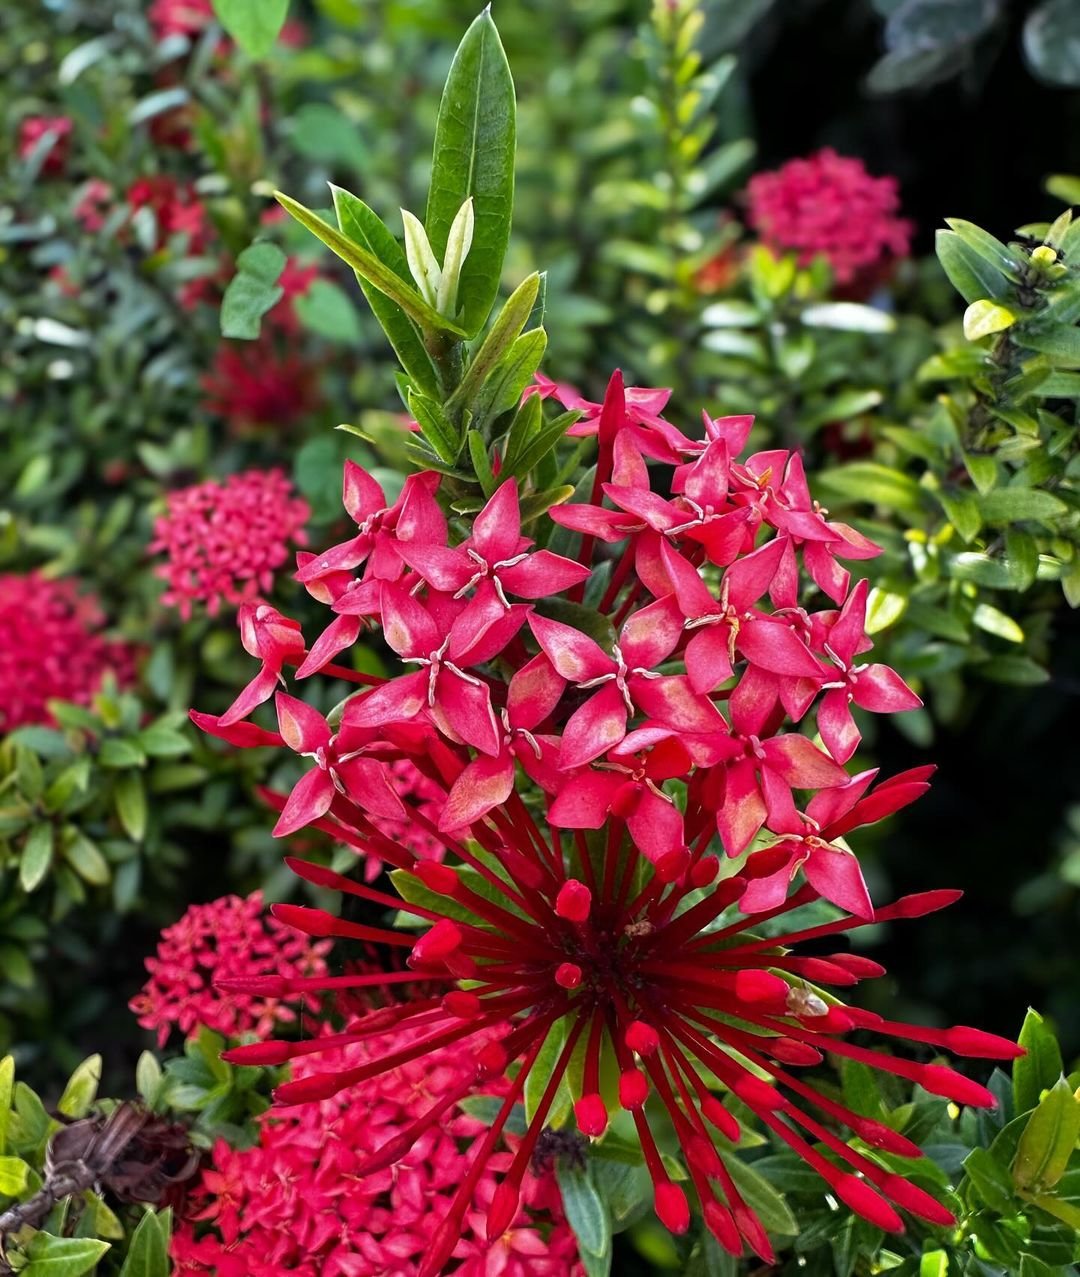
(628, 811)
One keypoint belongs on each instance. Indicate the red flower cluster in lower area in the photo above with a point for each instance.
(36, 127)
(227, 935)
(625, 790)
(52, 648)
(829, 204)
(303, 1202)
(224, 541)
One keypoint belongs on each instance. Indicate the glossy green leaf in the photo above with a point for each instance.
(1048, 1141)
(474, 156)
(503, 389)
(36, 856)
(86, 859)
(13, 1176)
(970, 274)
(1040, 1068)
(983, 317)
(761, 1197)
(586, 1211)
(1011, 505)
(253, 24)
(365, 263)
(963, 512)
(1059, 343)
(130, 797)
(993, 621)
(436, 427)
(148, 1253)
(252, 291)
(81, 1088)
(991, 1180)
(1018, 671)
(869, 481)
(62, 1256)
(987, 246)
(504, 331)
(7, 1084)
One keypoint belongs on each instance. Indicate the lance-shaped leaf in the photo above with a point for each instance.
(504, 331)
(474, 156)
(360, 224)
(367, 264)
(1048, 1140)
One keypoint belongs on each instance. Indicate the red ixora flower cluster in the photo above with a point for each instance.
(52, 648)
(231, 934)
(300, 1201)
(56, 127)
(829, 204)
(176, 207)
(267, 382)
(587, 777)
(224, 541)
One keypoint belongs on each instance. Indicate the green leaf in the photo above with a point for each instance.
(148, 1077)
(990, 249)
(253, 24)
(474, 156)
(436, 427)
(1022, 557)
(81, 1088)
(1018, 671)
(130, 797)
(1048, 1140)
(148, 1253)
(1010, 505)
(13, 1176)
(121, 753)
(326, 310)
(359, 224)
(997, 623)
(87, 861)
(991, 1180)
(585, 1209)
(851, 317)
(982, 469)
(963, 512)
(970, 274)
(1040, 1068)
(874, 483)
(503, 389)
(252, 291)
(481, 465)
(504, 331)
(541, 1071)
(62, 1256)
(365, 263)
(1059, 343)
(7, 1083)
(985, 317)
(883, 608)
(36, 856)
(761, 1197)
